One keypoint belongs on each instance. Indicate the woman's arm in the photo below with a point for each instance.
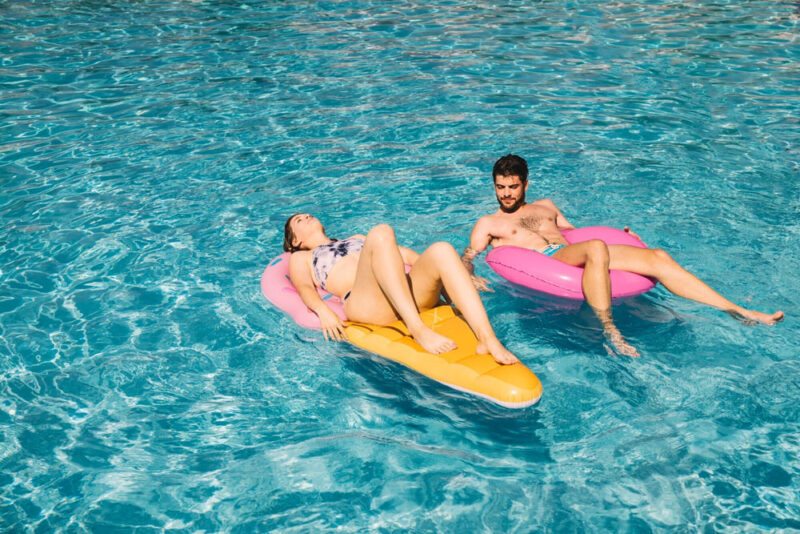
(300, 275)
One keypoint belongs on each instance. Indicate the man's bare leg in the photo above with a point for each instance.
(381, 292)
(660, 265)
(440, 265)
(594, 257)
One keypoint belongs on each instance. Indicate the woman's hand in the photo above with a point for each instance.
(332, 325)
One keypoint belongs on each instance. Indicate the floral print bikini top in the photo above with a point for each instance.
(324, 257)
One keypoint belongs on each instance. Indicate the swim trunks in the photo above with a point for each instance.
(324, 257)
(549, 250)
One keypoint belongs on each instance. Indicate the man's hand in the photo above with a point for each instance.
(332, 325)
(481, 284)
(467, 256)
(634, 234)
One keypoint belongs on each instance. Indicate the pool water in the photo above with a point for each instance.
(150, 153)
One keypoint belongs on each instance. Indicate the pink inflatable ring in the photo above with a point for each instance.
(537, 271)
(280, 291)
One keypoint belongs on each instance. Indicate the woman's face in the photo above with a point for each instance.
(304, 225)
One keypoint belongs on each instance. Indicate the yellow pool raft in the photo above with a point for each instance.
(512, 386)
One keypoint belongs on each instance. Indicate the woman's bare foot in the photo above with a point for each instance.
(431, 341)
(621, 346)
(751, 317)
(500, 354)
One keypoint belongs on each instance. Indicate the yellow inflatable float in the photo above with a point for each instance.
(512, 386)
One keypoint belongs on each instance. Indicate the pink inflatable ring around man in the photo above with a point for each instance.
(537, 271)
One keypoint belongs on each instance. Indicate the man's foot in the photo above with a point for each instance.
(433, 342)
(614, 336)
(621, 346)
(751, 317)
(500, 354)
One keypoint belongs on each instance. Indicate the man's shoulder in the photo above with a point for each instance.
(490, 218)
(542, 203)
(487, 222)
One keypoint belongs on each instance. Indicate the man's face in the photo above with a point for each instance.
(510, 192)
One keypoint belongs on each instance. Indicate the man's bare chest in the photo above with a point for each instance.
(535, 219)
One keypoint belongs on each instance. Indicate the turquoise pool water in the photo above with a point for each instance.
(151, 151)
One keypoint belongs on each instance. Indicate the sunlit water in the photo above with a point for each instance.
(151, 151)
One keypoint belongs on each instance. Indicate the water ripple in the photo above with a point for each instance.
(150, 153)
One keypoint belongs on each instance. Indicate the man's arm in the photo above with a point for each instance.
(479, 240)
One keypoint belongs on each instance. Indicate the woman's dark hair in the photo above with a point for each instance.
(288, 236)
(511, 165)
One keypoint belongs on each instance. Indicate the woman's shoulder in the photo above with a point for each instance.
(300, 257)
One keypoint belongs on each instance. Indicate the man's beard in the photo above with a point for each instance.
(514, 207)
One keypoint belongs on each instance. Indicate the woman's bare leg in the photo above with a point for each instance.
(660, 265)
(440, 265)
(381, 292)
(593, 256)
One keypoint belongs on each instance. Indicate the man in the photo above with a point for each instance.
(537, 226)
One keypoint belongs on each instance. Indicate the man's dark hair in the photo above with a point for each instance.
(511, 165)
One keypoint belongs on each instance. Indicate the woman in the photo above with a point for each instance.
(368, 274)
